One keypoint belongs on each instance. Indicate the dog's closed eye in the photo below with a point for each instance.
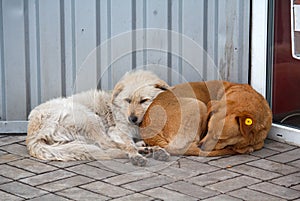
(128, 100)
(144, 100)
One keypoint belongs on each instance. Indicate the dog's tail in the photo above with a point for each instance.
(70, 151)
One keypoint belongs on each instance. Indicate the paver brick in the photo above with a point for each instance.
(191, 189)
(6, 158)
(122, 160)
(289, 180)
(129, 177)
(233, 184)
(47, 177)
(194, 166)
(297, 187)
(22, 190)
(13, 173)
(10, 197)
(203, 159)
(115, 166)
(232, 160)
(248, 194)
(286, 157)
(4, 180)
(148, 183)
(135, 197)
(177, 173)
(79, 194)
(255, 172)
(16, 149)
(11, 139)
(213, 177)
(264, 152)
(49, 197)
(273, 166)
(277, 146)
(222, 198)
(165, 194)
(65, 164)
(90, 171)
(106, 189)
(159, 166)
(295, 163)
(279, 191)
(32, 166)
(65, 183)
(2, 152)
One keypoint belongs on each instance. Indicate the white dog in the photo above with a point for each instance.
(95, 124)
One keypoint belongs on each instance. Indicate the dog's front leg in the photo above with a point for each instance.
(155, 152)
(126, 144)
(250, 148)
(194, 150)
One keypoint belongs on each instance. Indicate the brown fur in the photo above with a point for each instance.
(176, 119)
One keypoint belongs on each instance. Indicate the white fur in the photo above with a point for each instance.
(92, 124)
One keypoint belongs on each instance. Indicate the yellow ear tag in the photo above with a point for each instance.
(248, 122)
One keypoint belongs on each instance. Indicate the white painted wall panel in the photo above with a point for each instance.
(85, 45)
(49, 48)
(14, 59)
(121, 51)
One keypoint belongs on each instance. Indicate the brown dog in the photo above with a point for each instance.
(207, 119)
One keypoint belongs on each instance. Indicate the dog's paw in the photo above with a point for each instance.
(140, 144)
(138, 160)
(161, 155)
(145, 150)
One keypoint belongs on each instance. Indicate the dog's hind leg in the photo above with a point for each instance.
(69, 151)
(192, 150)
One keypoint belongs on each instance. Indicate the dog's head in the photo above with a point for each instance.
(239, 122)
(134, 93)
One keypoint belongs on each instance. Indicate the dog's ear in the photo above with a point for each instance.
(211, 106)
(246, 123)
(162, 85)
(117, 90)
(214, 106)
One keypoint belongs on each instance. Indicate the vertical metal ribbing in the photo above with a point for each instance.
(133, 27)
(74, 63)
(240, 40)
(205, 28)
(216, 41)
(98, 43)
(145, 33)
(38, 51)
(169, 58)
(3, 88)
(27, 59)
(63, 48)
(180, 26)
(109, 44)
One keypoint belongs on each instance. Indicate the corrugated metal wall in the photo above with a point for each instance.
(51, 48)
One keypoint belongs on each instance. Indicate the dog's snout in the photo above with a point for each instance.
(132, 119)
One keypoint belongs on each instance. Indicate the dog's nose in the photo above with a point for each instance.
(132, 119)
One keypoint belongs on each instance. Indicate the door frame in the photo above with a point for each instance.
(261, 58)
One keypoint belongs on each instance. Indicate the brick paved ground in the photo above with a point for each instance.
(272, 173)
